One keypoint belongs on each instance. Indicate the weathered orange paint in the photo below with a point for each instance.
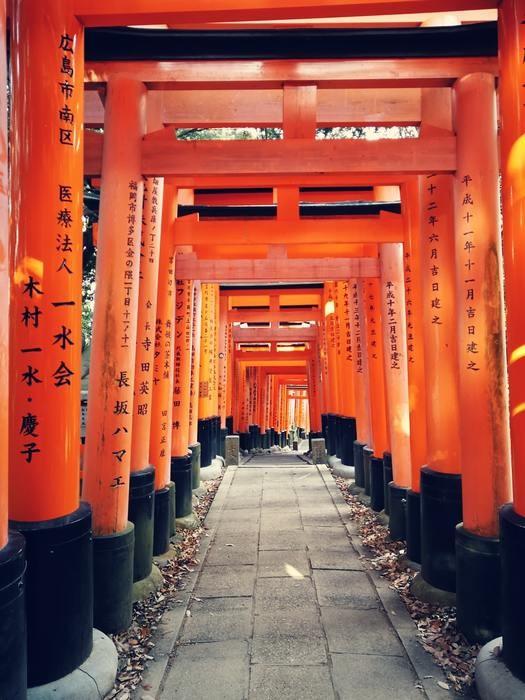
(4, 284)
(395, 359)
(485, 460)
(162, 399)
(415, 350)
(180, 438)
(147, 305)
(360, 363)
(112, 368)
(346, 374)
(374, 349)
(195, 362)
(512, 115)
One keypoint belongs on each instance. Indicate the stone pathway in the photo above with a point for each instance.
(283, 607)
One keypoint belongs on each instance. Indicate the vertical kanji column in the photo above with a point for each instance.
(441, 476)
(361, 382)
(142, 476)
(349, 430)
(162, 394)
(205, 369)
(112, 369)
(416, 363)
(396, 381)
(511, 90)
(47, 55)
(194, 444)
(331, 351)
(181, 467)
(13, 642)
(380, 441)
(224, 362)
(485, 454)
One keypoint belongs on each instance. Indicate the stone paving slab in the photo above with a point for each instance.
(290, 683)
(282, 606)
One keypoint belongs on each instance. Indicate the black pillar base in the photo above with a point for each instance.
(203, 436)
(358, 464)
(477, 586)
(13, 638)
(367, 456)
(398, 512)
(229, 425)
(161, 531)
(324, 426)
(441, 511)
(413, 537)
(181, 474)
(113, 580)
(141, 490)
(59, 594)
(339, 431)
(223, 434)
(195, 451)
(331, 444)
(173, 508)
(216, 436)
(349, 437)
(512, 544)
(244, 441)
(377, 490)
(283, 438)
(388, 476)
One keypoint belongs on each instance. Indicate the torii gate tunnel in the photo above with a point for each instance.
(356, 278)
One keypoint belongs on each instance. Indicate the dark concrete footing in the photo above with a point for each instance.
(140, 513)
(413, 533)
(358, 463)
(162, 526)
(398, 511)
(477, 578)
(13, 641)
(441, 511)
(181, 474)
(59, 594)
(377, 491)
(388, 476)
(512, 547)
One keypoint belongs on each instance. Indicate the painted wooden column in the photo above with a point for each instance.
(333, 368)
(193, 422)
(441, 476)
(206, 402)
(485, 448)
(13, 645)
(416, 363)
(224, 361)
(45, 339)
(162, 395)
(396, 380)
(181, 462)
(347, 420)
(380, 440)
(361, 381)
(142, 476)
(511, 91)
(325, 379)
(111, 380)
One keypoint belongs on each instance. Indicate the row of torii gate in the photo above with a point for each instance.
(385, 332)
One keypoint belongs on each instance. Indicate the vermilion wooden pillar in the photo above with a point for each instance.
(142, 477)
(396, 381)
(330, 321)
(440, 478)
(416, 363)
(485, 458)
(346, 421)
(181, 463)
(13, 644)
(195, 447)
(44, 411)
(511, 89)
(380, 439)
(111, 379)
(162, 399)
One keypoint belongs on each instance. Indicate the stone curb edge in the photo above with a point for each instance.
(170, 625)
(423, 664)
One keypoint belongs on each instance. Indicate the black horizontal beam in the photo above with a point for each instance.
(135, 44)
(269, 211)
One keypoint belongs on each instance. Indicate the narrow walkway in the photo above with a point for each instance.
(283, 607)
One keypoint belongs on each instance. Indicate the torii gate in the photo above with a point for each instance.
(44, 504)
